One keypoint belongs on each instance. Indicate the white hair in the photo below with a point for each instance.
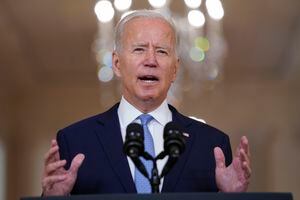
(150, 14)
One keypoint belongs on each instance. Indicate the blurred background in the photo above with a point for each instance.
(240, 72)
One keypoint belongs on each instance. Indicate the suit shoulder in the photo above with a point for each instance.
(201, 127)
(206, 126)
(90, 122)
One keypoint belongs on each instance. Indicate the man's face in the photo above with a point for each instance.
(147, 62)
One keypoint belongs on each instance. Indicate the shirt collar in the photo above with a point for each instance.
(162, 114)
(128, 113)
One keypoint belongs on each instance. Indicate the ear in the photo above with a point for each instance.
(116, 63)
(177, 62)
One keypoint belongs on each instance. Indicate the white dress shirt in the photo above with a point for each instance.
(127, 114)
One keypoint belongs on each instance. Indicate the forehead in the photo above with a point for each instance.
(148, 27)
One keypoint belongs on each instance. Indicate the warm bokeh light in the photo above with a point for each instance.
(107, 59)
(105, 74)
(157, 3)
(202, 43)
(122, 5)
(215, 9)
(197, 54)
(213, 73)
(104, 11)
(196, 18)
(193, 3)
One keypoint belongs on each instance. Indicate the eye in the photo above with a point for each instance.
(162, 51)
(138, 49)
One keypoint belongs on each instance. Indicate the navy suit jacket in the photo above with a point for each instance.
(106, 169)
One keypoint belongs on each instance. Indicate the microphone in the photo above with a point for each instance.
(134, 140)
(174, 145)
(134, 146)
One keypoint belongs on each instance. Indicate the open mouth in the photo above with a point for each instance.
(148, 78)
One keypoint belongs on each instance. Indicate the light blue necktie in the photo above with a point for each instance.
(141, 182)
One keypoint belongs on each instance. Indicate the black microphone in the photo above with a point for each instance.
(134, 146)
(174, 145)
(134, 141)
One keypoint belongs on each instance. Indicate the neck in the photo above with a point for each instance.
(145, 106)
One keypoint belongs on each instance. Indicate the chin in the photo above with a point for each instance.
(147, 97)
(151, 97)
(149, 94)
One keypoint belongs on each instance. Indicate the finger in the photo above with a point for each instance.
(245, 164)
(52, 155)
(219, 157)
(76, 163)
(54, 143)
(50, 180)
(242, 145)
(247, 170)
(245, 145)
(52, 167)
(244, 157)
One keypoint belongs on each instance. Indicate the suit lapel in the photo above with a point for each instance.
(109, 135)
(172, 178)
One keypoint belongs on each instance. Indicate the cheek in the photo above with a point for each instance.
(124, 69)
(171, 74)
(128, 66)
(128, 75)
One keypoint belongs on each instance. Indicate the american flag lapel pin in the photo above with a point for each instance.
(186, 134)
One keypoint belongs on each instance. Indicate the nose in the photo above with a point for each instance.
(150, 60)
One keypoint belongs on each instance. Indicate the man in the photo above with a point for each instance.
(87, 156)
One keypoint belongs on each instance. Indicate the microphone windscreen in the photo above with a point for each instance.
(133, 129)
(171, 127)
(134, 140)
(174, 143)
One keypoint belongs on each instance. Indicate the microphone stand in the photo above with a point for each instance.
(155, 178)
(134, 148)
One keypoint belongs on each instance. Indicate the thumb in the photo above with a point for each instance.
(219, 157)
(76, 163)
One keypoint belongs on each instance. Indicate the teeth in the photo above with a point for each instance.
(148, 81)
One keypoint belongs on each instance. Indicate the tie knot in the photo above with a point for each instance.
(145, 119)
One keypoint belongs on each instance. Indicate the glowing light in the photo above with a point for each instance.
(197, 54)
(104, 11)
(192, 3)
(122, 4)
(215, 9)
(157, 3)
(107, 59)
(196, 18)
(202, 43)
(105, 74)
(198, 119)
(213, 73)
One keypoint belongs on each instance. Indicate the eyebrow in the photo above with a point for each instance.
(146, 45)
(140, 45)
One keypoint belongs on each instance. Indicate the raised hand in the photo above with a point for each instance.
(235, 177)
(55, 179)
